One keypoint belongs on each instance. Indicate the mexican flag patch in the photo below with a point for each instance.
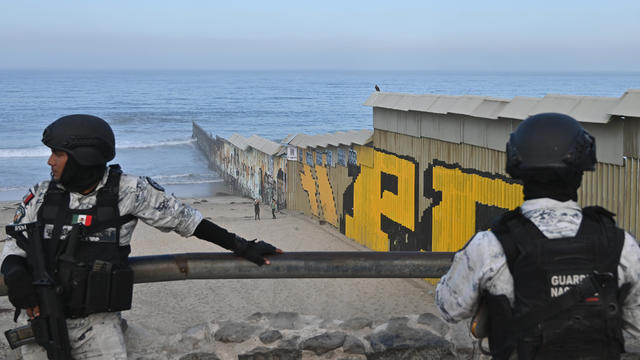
(82, 219)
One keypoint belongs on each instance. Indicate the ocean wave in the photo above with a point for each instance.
(43, 151)
(26, 152)
(14, 188)
(189, 182)
(156, 144)
(179, 179)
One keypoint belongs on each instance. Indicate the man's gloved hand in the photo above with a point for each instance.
(254, 251)
(250, 250)
(19, 282)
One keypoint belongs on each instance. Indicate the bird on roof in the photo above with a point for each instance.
(377, 88)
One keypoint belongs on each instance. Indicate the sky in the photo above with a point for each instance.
(560, 35)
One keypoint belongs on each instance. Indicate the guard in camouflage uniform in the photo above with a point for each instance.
(559, 281)
(83, 189)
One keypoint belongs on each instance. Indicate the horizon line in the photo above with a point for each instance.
(530, 71)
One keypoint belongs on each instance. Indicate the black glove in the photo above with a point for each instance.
(252, 250)
(19, 282)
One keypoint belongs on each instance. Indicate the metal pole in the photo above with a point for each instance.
(346, 264)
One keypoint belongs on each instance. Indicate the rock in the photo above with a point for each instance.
(323, 343)
(434, 323)
(329, 324)
(263, 353)
(235, 332)
(398, 321)
(260, 316)
(200, 356)
(197, 333)
(353, 345)
(270, 336)
(411, 354)
(461, 338)
(398, 336)
(356, 323)
(284, 321)
(291, 343)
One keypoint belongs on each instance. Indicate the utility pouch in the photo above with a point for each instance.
(98, 287)
(121, 289)
(108, 289)
(78, 286)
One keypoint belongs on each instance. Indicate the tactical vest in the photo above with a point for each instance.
(101, 279)
(543, 270)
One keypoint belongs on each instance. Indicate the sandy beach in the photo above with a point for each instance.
(172, 307)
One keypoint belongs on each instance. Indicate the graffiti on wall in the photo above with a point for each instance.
(252, 173)
(381, 204)
(315, 182)
(464, 201)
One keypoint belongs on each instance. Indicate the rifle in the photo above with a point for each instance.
(50, 327)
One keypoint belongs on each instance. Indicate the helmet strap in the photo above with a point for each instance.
(78, 178)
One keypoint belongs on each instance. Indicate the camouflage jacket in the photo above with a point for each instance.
(482, 265)
(138, 196)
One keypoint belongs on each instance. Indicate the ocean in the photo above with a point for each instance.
(151, 111)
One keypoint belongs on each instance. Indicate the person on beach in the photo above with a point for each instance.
(274, 207)
(559, 282)
(108, 204)
(256, 209)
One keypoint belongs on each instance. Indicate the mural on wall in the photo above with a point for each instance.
(309, 186)
(380, 205)
(315, 182)
(464, 201)
(325, 195)
(252, 173)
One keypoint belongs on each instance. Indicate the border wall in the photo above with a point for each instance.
(433, 173)
(249, 171)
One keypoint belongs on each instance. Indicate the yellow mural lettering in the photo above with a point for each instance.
(309, 185)
(372, 198)
(326, 195)
(454, 216)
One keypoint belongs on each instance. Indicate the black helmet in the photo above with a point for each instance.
(87, 138)
(550, 141)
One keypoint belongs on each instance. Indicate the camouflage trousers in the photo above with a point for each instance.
(97, 336)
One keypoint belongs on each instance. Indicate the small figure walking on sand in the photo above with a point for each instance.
(256, 208)
(274, 207)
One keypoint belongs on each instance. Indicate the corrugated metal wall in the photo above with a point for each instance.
(248, 172)
(615, 188)
(418, 193)
(413, 193)
(462, 187)
(317, 190)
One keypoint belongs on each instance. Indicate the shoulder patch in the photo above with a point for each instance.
(154, 184)
(27, 198)
(20, 212)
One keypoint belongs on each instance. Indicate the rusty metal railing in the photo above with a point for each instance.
(347, 264)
